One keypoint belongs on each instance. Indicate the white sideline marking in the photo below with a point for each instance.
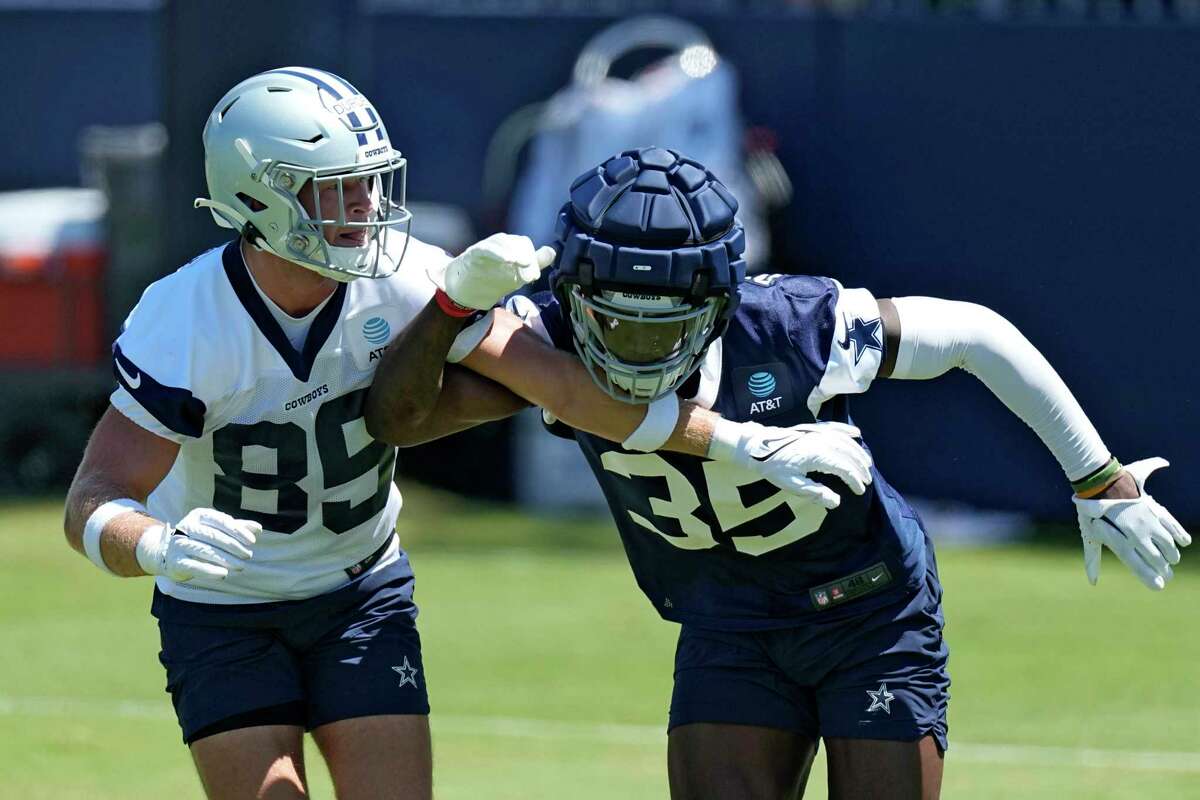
(644, 735)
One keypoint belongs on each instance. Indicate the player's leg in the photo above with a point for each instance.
(739, 728)
(378, 757)
(264, 761)
(238, 695)
(883, 704)
(732, 762)
(367, 703)
(862, 769)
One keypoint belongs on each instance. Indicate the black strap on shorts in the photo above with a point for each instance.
(292, 713)
(358, 569)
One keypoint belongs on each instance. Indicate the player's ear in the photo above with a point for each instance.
(891, 336)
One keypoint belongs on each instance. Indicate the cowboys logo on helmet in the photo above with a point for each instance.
(299, 130)
(650, 258)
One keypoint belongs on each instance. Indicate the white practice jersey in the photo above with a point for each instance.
(268, 433)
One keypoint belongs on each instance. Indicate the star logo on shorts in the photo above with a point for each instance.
(407, 672)
(881, 698)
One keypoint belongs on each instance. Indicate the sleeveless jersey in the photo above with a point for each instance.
(265, 432)
(713, 545)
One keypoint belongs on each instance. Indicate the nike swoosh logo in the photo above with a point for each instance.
(773, 446)
(131, 381)
(876, 578)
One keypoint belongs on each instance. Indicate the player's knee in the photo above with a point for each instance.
(264, 761)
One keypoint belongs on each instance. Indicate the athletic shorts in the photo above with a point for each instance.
(353, 652)
(881, 675)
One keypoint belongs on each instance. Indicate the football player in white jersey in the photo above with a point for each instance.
(235, 466)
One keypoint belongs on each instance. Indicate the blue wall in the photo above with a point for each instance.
(1050, 172)
(1047, 169)
(65, 69)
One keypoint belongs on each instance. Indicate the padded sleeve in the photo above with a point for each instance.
(856, 349)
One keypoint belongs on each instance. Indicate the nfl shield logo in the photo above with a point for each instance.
(822, 598)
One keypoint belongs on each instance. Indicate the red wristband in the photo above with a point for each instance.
(449, 307)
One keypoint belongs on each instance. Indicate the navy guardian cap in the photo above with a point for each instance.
(650, 259)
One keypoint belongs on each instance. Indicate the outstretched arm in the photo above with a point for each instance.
(417, 397)
(411, 401)
(501, 348)
(413, 398)
(508, 352)
(927, 337)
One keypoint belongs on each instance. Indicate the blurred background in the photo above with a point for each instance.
(1036, 156)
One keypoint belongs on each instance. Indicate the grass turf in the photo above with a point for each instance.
(550, 676)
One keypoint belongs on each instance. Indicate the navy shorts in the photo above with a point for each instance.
(353, 652)
(881, 675)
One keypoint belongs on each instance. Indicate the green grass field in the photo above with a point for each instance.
(550, 674)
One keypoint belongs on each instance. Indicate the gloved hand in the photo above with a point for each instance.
(206, 543)
(785, 456)
(1139, 531)
(491, 269)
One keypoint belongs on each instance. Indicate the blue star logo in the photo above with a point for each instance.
(865, 336)
(881, 698)
(407, 672)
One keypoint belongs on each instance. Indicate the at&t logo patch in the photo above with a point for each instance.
(376, 330)
(763, 390)
(761, 384)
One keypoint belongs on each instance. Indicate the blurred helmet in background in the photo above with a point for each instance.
(297, 129)
(686, 100)
(650, 258)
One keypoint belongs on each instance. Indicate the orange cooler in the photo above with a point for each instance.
(52, 262)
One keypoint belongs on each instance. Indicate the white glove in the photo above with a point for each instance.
(490, 270)
(1141, 532)
(206, 543)
(785, 456)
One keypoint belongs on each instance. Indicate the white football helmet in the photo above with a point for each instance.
(297, 129)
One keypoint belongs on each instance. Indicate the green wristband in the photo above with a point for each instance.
(1101, 477)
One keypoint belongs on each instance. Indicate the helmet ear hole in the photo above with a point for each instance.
(251, 203)
(250, 232)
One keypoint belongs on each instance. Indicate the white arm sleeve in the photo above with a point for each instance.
(936, 335)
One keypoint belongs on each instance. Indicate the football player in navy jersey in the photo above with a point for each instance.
(803, 618)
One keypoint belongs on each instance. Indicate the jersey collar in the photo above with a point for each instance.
(300, 363)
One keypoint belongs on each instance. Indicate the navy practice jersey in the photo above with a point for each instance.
(714, 545)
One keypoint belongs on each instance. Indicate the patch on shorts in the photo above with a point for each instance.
(860, 584)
